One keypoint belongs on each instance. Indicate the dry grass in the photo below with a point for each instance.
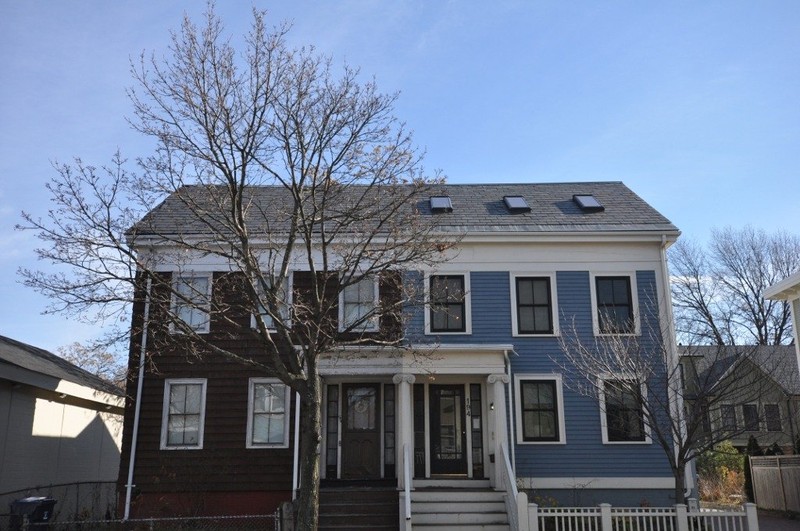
(725, 487)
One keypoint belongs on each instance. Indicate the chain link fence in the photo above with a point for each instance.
(88, 500)
(200, 523)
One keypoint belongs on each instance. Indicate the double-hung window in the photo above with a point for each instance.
(184, 414)
(448, 303)
(534, 310)
(615, 313)
(772, 416)
(623, 409)
(191, 301)
(268, 414)
(357, 304)
(750, 416)
(539, 409)
(728, 414)
(281, 301)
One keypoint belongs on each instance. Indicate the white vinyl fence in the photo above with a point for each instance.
(608, 518)
(776, 482)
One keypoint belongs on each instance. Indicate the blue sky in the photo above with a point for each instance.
(694, 105)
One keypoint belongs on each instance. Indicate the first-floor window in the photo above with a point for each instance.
(772, 414)
(623, 412)
(539, 410)
(267, 423)
(184, 412)
(750, 416)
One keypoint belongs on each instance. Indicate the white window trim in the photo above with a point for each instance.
(373, 323)
(467, 303)
(168, 383)
(553, 299)
(286, 420)
(603, 417)
(634, 301)
(562, 430)
(287, 318)
(174, 299)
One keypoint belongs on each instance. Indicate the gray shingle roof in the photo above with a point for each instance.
(43, 362)
(777, 361)
(477, 208)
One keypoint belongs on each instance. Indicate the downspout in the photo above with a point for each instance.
(672, 350)
(296, 462)
(137, 411)
(512, 414)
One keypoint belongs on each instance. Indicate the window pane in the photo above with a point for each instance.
(620, 291)
(524, 292)
(540, 290)
(605, 292)
(542, 319)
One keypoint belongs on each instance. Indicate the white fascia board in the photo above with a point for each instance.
(786, 289)
(572, 237)
(428, 360)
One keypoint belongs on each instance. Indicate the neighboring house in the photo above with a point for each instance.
(60, 430)
(533, 261)
(755, 390)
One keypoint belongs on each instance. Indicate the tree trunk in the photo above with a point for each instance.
(680, 480)
(310, 438)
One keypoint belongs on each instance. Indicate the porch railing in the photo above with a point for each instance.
(608, 518)
(508, 481)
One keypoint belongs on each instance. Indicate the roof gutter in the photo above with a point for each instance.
(137, 411)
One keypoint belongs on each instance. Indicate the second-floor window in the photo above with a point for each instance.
(614, 305)
(191, 301)
(448, 306)
(282, 301)
(728, 414)
(357, 305)
(184, 414)
(624, 415)
(534, 305)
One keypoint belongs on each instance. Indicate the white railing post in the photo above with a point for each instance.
(605, 517)
(681, 517)
(522, 511)
(751, 511)
(533, 517)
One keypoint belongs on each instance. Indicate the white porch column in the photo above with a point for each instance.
(497, 420)
(404, 431)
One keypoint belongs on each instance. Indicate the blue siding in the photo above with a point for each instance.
(584, 454)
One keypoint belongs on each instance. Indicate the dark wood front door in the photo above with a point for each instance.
(361, 431)
(448, 430)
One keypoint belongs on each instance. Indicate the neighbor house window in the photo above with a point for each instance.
(540, 408)
(282, 301)
(268, 414)
(534, 305)
(183, 414)
(614, 305)
(623, 410)
(191, 301)
(772, 415)
(728, 413)
(448, 304)
(750, 416)
(356, 302)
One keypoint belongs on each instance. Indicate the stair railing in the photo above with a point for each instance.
(509, 481)
(407, 482)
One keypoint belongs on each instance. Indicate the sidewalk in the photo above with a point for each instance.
(776, 521)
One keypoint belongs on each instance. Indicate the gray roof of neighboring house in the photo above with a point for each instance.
(477, 208)
(43, 362)
(777, 361)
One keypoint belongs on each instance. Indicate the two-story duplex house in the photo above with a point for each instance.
(480, 380)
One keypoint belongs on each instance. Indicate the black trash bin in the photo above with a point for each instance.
(37, 509)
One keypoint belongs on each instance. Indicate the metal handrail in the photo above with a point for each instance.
(407, 481)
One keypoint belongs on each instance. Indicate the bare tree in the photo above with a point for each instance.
(268, 161)
(646, 393)
(717, 292)
(96, 360)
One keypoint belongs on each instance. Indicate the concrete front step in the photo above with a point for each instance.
(358, 508)
(461, 527)
(460, 507)
(466, 509)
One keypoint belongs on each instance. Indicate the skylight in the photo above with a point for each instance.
(588, 203)
(516, 203)
(441, 203)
